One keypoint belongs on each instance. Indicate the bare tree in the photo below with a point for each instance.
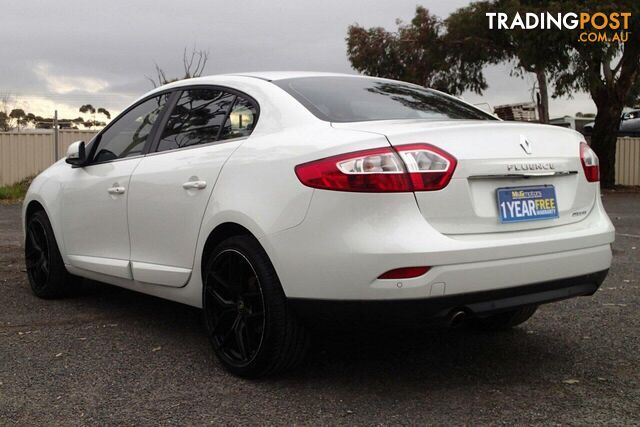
(194, 64)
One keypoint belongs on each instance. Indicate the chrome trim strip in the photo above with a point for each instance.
(523, 175)
(191, 147)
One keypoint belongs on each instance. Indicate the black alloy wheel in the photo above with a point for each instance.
(47, 274)
(235, 308)
(37, 254)
(252, 329)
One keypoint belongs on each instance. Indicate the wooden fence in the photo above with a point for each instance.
(27, 153)
(24, 154)
(628, 161)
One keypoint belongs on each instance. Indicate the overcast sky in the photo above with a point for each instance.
(62, 54)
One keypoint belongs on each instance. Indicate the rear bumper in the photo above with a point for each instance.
(347, 241)
(417, 312)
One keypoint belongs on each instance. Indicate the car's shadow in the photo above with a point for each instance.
(439, 357)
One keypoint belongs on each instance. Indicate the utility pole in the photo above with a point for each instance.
(55, 135)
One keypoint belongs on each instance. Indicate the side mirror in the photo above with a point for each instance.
(76, 154)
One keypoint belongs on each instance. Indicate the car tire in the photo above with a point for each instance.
(506, 320)
(249, 324)
(47, 274)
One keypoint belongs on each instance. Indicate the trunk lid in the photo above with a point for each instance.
(494, 155)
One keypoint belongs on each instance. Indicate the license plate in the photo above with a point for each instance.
(517, 204)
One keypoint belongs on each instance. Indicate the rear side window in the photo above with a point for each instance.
(354, 99)
(202, 116)
(196, 119)
(242, 119)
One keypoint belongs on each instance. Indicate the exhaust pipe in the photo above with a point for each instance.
(456, 318)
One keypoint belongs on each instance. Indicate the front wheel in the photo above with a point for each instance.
(47, 274)
(252, 330)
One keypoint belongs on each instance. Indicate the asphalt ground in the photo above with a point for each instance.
(112, 356)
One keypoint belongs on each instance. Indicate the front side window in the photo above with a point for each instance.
(353, 99)
(127, 136)
(196, 119)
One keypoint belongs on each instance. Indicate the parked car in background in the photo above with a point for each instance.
(278, 201)
(629, 124)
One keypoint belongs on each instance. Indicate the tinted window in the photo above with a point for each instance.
(242, 119)
(196, 119)
(128, 134)
(352, 99)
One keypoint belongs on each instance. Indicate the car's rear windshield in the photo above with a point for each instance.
(353, 99)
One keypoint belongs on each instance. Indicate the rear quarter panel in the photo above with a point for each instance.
(258, 187)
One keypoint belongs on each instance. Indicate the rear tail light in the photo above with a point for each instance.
(590, 163)
(413, 167)
(404, 273)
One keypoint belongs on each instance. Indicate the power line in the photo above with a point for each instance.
(17, 96)
(53, 95)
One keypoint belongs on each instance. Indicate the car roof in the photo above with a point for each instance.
(281, 75)
(264, 76)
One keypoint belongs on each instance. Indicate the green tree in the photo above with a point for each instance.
(417, 52)
(104, 112)
(5, 122)
(31, 118)
(90, 109)
(540, 52)
(610, 73)
(450, 55)
(87, 109)
(19, 116)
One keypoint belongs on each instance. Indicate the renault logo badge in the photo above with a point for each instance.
(525, 144)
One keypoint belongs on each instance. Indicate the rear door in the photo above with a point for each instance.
(495, 155)
(171, 187)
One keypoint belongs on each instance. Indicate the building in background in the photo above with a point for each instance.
(521, 112)
(572, 122)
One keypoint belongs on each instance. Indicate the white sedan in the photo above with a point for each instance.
(278, 201)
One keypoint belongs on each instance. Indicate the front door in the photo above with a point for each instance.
(94, 198)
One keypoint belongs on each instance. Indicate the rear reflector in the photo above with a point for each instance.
(404, 273)
(590, 163)
(405, 168)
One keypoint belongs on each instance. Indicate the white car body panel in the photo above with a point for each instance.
(107, 266)
(324, 244)
(483, 149)
(159, 201)
(392, 234)
(157, 274)
(94, 221)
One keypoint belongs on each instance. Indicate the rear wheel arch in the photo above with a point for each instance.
(219, 234)
(231, 228)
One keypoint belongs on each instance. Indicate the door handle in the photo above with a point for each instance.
(116, 190)
(194, 185)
